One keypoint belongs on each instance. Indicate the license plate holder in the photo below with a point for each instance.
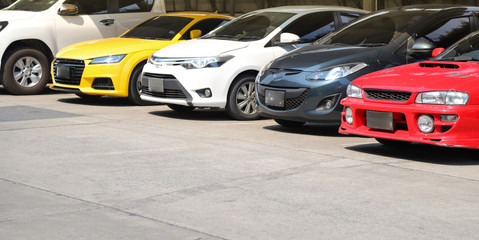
(274, 98)
(63, 72)
(379, 120)
(156, 84)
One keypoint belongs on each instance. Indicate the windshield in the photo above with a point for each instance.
(162, 28)
(250, 27)
(32, 5)
(465, 50)
(377, 29)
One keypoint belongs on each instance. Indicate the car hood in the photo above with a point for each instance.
(201, 48)
(12, 15)
(314, 57)
(424, 76)
(110, 46)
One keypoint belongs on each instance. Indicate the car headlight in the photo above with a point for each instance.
(204, 62)
(354, 91)
(108, 59)
(443, 98)
(3, 25)
(336, 72)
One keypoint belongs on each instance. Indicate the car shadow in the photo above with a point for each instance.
(422, 153)
(47, 91)
(308, 129)
(103, 101)
(196, 115)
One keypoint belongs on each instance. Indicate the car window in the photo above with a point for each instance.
(376, 29)
(135, 5)
(468, 47)
(312, 26)
(347, 17)
(161, 27)
(205, 25)
(90, 6)
(447, 32)
(29, 5)
(250, 27)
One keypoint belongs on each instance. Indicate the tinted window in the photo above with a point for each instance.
(31, 5)
(206, 26)
(312, 26)
(250, 27)
(162, 27)
(135, 5)
(447, 32)
(347, 17)
(376, 29)
(467, 48)
(90, 6)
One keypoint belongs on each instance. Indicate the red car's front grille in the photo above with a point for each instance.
(387, 95)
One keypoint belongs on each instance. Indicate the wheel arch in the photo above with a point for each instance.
(241, 74)
(29, 43)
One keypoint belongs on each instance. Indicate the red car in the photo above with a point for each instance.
(434, 102)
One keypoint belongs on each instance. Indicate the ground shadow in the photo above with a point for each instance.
(196, 115)
(103, 101)
(422, 153)
(47, 91)
(308, 129)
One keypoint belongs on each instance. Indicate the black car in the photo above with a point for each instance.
(307, 84)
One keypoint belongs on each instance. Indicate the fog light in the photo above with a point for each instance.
(425, 123)
(349, 115)
(449, 118)
(204, 93)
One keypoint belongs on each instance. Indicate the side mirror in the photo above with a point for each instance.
(195, 33)
(437, 51)
(288, 38)
(68, 10)
(422, 46)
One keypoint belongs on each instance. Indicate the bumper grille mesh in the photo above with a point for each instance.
(387, 95)
(76, 71)
(170, 90)
(289, 103)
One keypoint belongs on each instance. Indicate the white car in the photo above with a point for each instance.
(33, 31)
(219, 69)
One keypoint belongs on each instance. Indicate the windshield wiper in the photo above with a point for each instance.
(221, 37)
(249, 38)
(372, 44)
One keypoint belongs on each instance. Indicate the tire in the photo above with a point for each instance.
(25, 71)
(392, 143)
(88, 98)
(181, 108)
(134, 86)
(288, 123)
(241, 104)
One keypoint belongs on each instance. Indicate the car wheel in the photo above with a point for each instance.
(181, 108)
(89, 98)
(288, 123)
(241, 104)
(392, 143)
(134, 88)
(26, 71)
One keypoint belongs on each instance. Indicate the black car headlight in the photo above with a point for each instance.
(333, 73)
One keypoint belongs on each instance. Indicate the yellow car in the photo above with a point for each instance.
(112, 66)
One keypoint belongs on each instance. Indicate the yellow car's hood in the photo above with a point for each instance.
(110, 46)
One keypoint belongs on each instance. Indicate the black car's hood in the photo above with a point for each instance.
(314, 57)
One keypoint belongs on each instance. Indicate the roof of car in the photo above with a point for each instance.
(310, 8)
(433, 7)
(198, 14)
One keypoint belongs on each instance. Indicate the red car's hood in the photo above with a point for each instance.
(425, 76)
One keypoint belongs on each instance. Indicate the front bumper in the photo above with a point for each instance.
(186, 86)
(462, 133)
(304, 101)
(97, 79)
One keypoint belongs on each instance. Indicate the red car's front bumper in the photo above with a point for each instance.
(464, 132)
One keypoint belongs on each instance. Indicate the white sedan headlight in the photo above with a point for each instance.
(336, 72)
(443, 98)
(108, 59)
(204, 62)
(354, 91)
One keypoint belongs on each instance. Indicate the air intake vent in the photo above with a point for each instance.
(438, 65)
(387, 95)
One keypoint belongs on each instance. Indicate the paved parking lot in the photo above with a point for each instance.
(109, 170)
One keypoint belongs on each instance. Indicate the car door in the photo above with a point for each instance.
(91, 22)
(128, 13)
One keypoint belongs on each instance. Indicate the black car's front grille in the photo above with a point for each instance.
(172, 87)
(75, 71)
(387, 95)
(289, 103)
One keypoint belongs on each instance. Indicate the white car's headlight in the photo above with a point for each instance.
(204, 62)
(443, 98)
(108, 59)
(354, 91)
(336, 72)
